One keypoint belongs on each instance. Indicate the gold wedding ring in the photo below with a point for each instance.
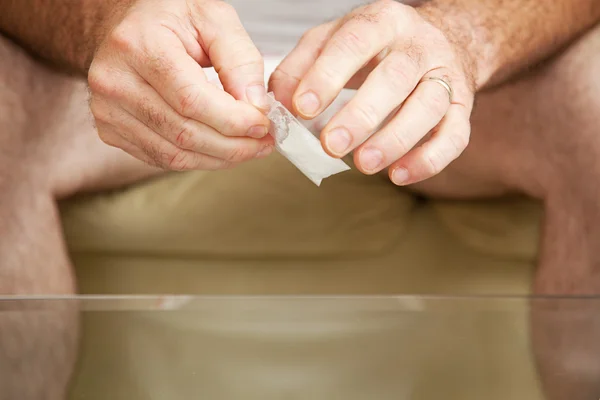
(445, 85)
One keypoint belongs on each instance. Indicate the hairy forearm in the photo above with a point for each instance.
(504, 37)
(65, 33)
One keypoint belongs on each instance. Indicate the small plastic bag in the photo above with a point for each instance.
(296, 143)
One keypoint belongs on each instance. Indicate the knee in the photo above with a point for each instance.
(27, 93)
(43, 116)
(564, 142)
(571, 84)
(13, 105)
(576, 68)
(534, 135)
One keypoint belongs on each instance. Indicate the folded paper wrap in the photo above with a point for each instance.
(296, 143)
(293, 139)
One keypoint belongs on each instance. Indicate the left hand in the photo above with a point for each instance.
(399, 117)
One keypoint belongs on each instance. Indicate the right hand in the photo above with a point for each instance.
(151, 98)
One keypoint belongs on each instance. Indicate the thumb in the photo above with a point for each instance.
(233, 54)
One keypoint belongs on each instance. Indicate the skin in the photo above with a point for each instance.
(538, 135)
(388, 51)
(506, 153)
(149, 94)
(49, 150)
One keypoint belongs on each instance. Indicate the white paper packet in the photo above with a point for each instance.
(296, 143)
(293, 138)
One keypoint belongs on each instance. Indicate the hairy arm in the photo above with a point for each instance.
(504, 37)
(64, 33)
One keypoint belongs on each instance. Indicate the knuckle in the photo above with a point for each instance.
(381, 11)
(309, 35)
(190, 141)
(107, 137)
(178, 161)
(94, 104)
(367, 115)
(222, 164)
(387, 8)
(123, 37)
(100, 118)
(200, 145)
(101, 113)
(95, 78)
(401, 145)
(349, 42)
(384, 4)
(222, 9)
(432, 163)
(235, 126)
(407, 13)
(248, 57)
(239, 153)
(186, 138)
(318, 37)
(101, 82)
(369, 14)
(97, 110)
(434, 102)
(387, 4)
(459, 141)
(190, 103)
(400, 71)
(316, 34)
(279, 76)
(330, 74)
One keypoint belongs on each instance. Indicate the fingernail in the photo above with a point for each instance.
(308, 104)
(400, 176)
(371, 159)
(338, 141)
(264, 152)
(257, 96)
(258, 131)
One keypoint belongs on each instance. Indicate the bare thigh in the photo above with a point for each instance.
(48, 149)
(540, 135)
(49, 135)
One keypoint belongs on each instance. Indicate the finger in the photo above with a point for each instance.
(112, 137)
(385, 89)
(350, 48)
(149, 108)
(232, 53)
(182, 83)
(421, 112)
(361, 76)
(444, 146)
(161, 152)
(166, 155)
(285, 79)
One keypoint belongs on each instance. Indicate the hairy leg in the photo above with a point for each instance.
(540, 135)
(48, 149)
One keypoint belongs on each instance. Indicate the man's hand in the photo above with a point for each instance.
(151, 98)
(400, 117)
